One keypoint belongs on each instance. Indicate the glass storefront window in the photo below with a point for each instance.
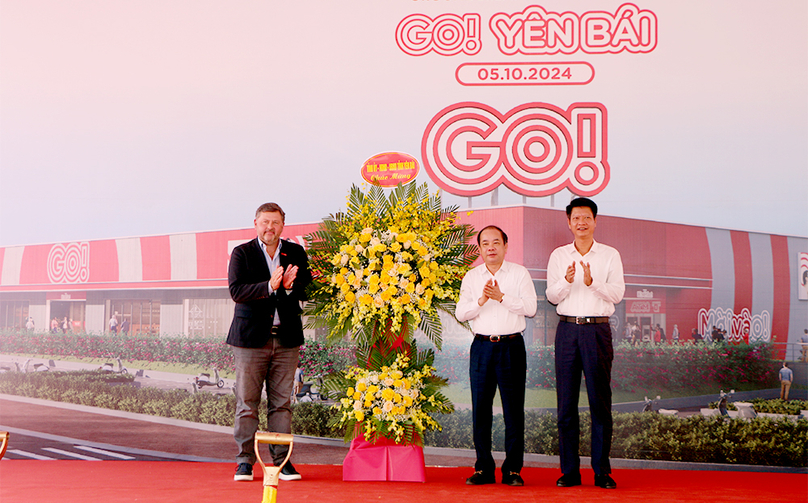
(143, 316)
(208, 317)
(13, 314)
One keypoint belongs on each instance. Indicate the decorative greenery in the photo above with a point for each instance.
(636, 435)
(316, 358)
(691, 368)
(387, 265)
(774, 406)
(653, 436)
(392, 402)
(685, 370)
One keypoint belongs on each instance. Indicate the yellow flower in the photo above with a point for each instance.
(359, 415)
(349, 296)
(360, 386)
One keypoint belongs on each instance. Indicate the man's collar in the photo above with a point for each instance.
(594, 248)
(503, 267)
(264, 248)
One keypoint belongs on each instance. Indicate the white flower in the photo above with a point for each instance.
(388, 382)
(388, 406)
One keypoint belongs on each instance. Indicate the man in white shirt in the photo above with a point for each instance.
(585, 281)
(496, 296)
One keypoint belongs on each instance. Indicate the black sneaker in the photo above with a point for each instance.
(479, 478)
(288, 472)
(243, 472)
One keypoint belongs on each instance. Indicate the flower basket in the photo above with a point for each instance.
(384, 269)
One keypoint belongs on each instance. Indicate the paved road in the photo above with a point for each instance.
(38, 424)
(34, 445)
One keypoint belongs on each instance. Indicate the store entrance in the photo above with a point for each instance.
(72, 311)
(647, 325)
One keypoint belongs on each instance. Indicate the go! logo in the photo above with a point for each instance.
(447, 34)
(69, 263)
(536, 149)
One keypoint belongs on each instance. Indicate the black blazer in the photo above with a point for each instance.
(248, 276)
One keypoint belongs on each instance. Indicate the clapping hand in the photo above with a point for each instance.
(289, 277)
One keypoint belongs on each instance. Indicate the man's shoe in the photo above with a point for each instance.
(243, 472)
(288, 472)
(569, 480)
(605, 481)
(512, 479)
(479, 478)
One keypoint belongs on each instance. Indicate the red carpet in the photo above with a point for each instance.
(27, 481)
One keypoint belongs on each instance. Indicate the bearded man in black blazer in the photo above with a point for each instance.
(268, 277)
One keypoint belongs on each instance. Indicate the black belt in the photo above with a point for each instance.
(497, 338)
(275, 330)
(584, 320)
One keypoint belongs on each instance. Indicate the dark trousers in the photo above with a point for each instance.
(587, 349)
(272, 366)
(502, 364)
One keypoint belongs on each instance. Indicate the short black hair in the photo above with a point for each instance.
(504, 236)
(584, 202)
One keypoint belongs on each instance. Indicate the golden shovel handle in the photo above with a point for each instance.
(266, 437)
(272, 473)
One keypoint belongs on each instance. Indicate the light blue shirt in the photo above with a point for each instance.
(786, 374)
(273, 263)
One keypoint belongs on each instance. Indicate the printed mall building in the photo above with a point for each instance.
(752, 285)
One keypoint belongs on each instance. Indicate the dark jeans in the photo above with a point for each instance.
(273, 365)
(587, 349)
(502, 364)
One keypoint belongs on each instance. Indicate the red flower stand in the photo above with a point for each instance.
(383, 460)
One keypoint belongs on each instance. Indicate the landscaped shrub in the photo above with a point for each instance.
(316, 358)
(778, 406)
(311, 418)
(760, 441)
(692, 367)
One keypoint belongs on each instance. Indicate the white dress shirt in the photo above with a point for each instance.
(497, 318)
(577, 299)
